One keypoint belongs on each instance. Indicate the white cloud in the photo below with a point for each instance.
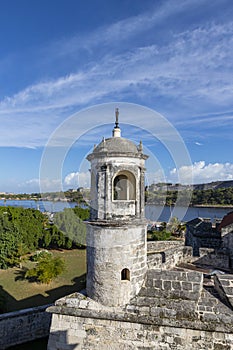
(203, 173)
(78, 179)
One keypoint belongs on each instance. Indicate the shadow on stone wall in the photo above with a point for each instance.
(63, 339)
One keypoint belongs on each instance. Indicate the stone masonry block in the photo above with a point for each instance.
(187, 286)
(225, 282)
(195, 277)
(157, 283)
(176, 285)
(167, 285)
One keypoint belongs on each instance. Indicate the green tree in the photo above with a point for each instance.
(29, 223)
(71, 226)
(82, 213)
(175, 227)
(46, 269)
(9, 242)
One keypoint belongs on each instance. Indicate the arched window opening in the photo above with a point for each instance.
(124, 186)
(125, 275)
(120, 187)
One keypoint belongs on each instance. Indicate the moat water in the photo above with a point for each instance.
(160, 213)
(152, 212)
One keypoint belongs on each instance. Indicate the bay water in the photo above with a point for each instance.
(152, 212)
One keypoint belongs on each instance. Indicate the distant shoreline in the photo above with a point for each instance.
(217, 206)
(223, 206)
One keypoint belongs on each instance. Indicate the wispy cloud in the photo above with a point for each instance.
(185, 63)
(193, 67)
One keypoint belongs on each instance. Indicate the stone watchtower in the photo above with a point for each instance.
(116, 232)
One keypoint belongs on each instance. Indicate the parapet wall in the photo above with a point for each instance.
(23, 326)
(202, 239)
(218, 260)
(149, 323)
(166, 254)
(103, 334)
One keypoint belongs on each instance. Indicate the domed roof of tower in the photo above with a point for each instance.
(116, 145)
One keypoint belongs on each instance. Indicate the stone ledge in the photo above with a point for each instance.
(224, 286)
(90, 309)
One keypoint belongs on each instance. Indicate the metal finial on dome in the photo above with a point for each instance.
(117, 115)
(140, 147)
(116, 131)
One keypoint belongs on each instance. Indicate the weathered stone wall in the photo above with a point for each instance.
(218, 260)
(165, 255)
(202, 240)
(224, 286)
(173, 285)
(227, 239)
(111, 249)
(23, 326)
(227, 229)
(161, 246)
(101, 334)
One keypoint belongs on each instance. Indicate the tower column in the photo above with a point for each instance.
(116, 233)
(142, 191)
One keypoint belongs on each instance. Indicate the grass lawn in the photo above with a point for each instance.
(18, 293)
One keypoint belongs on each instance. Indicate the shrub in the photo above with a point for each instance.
(161, 235)
(40, 255)
(46, 269)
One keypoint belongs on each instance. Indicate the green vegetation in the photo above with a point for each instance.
(159, 235)
(23, 231)
(217, 196)
(175, 227)
(46, 269)
(77, 196)
(167, 231)
(17, 293)
(71, 226)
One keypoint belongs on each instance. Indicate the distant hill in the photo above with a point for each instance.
(179, 187)
(213, 193)
(213, 185)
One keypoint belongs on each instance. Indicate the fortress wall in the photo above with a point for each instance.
(167, 256)
(78, 333)
(218, 260)
(198, 240)
(23, 326)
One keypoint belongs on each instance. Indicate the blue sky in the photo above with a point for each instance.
(60, 57)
